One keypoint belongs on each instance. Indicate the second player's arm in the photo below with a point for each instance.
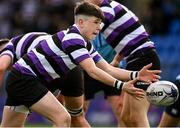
(5, 63)
(144, 74)
(89, 66)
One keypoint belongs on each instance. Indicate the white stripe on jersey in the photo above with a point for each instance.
(148, 43)
(114, 4)
(7, 52)
(52, 46)
(91, 50)
(101, 25)
(22, 62)
(94, 54)
(116, 24)
(108, 10)
(46, 64)
(130, 12)
(128, 38)
(37, 40)
(77, 53)
(20, 43)
(75, 36)
(58, 52)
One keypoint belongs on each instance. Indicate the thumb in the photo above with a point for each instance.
(133, 81)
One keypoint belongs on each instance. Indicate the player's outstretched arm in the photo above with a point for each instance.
(144, 74)
(89, 66)
(5, 62)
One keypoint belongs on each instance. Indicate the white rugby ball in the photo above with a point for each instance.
(162, 93)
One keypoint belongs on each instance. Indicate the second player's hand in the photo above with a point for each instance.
(129, 88)
(147, 75)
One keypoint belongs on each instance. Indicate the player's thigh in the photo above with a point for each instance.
(169, 121)
(12, 118)
(73, 83)
(126, 106)
(138, 106)
(116, 103)
(49, 107)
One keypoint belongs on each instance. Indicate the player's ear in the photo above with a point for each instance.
(80, 21)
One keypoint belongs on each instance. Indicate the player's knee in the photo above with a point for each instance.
(85, 108)
(62, 119)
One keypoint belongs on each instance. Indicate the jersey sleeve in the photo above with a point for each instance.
(95, 55)
(75, 47)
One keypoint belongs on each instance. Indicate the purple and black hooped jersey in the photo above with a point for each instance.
(122, 29)
(20, 45)
(57, 55)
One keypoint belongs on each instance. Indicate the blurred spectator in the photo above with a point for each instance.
(19, 16)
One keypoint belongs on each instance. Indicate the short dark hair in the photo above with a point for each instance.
(89, 9)
(4, 41)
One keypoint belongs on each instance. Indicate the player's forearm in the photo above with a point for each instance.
(105, 78)
(122, 74)
(98, 73)
(102, 76)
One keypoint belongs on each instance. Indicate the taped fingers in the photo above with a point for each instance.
(139, 94)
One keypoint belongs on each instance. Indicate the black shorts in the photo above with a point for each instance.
(27, 90)
(139, 59)
(174, 109)
(71, 85)
(92, 86)
(23, 89)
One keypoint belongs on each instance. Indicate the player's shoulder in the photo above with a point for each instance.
(72, 36)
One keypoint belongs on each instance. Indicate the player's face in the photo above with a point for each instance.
(91, 27)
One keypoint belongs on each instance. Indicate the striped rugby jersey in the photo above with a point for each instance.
(57, 55)
(122, 29)
(20, 45)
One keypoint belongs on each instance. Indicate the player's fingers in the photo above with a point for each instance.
(155, 80)
(137, 91)
(139, 96)
(156, 71)
(133, 81)
(147, 66)
(156, 76)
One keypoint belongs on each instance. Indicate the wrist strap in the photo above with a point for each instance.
(118, 84)
(133, 75)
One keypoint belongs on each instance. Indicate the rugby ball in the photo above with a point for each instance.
(162, 93)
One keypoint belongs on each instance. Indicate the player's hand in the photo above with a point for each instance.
(147, 75)
(129, 88)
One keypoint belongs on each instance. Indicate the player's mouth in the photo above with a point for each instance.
(95, 33)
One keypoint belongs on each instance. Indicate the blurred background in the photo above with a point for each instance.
(161, 19)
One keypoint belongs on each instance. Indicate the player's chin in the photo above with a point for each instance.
(93, 36)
